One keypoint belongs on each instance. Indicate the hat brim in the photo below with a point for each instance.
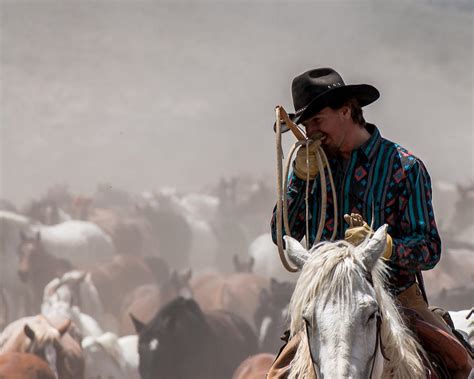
(364, 93)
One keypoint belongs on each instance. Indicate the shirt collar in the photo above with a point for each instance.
(370, 147)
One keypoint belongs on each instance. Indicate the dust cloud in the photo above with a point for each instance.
(143, 95)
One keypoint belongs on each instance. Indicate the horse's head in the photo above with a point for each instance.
(178, 329)
(339, 304)
(44, 340)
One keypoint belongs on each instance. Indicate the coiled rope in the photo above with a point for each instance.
(282, 185)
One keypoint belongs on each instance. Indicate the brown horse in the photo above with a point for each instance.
(254, 367)
(24, 366)
(37, 268)
(49, 341)
(116, 278)
(237, 292)
(145, 301)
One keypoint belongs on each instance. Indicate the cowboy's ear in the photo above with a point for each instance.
(375, 247)
(139, 326)
(296, 252)
(29, 332)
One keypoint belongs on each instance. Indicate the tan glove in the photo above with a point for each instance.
(300, 167)
(358, 231)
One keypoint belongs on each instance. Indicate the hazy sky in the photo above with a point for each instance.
(150, 94)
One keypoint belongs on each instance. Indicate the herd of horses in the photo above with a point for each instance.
(171, 285)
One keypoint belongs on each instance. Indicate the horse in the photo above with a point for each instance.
(104, 357)
(145, 301)
(254, 367)
(51, 342)
(24, 366)
(463, 321)
(59, 296)
(237, 292)
(37, 267)
(348, 323)
(263, 251)
(271, 315)
(184, 342)
(11, 224)
(129, 346)
(81, 242)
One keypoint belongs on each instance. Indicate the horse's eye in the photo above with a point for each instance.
(372, 316)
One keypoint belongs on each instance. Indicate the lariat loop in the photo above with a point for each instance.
(282, 185)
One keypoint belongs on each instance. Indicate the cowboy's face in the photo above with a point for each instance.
(333, 124)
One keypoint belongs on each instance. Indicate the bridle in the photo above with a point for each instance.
(378, 335)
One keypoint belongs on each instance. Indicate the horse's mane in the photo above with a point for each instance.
(330, 272)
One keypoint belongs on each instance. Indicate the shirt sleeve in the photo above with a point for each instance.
(296, 208)
(416, 244)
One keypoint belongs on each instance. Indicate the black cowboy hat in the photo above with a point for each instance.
(316, 89)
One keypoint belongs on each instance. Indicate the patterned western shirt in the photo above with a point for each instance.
(383, 179)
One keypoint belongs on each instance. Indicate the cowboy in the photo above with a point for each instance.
(375, 179)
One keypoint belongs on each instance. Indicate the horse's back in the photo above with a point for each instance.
(24, 366)
(80, 241)
(254, 367)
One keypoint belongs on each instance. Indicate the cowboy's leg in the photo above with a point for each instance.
(413, 299)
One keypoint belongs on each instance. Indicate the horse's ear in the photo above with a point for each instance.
(274, 285)
(139, 326)
(38, 236)
(264, 296)
(23, 236)
(374, 248)
(187, 275)
(64, 327)
(251, 263)
(296, 252)
(29, 332)
(236, 262)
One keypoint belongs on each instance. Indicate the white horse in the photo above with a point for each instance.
(104, 358)
(83, 243)
(265, 255)
(464, 322)
(76, 288)
(349, 325)
(58, 297)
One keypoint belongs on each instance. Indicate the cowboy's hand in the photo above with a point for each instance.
(301, 167)
(358, 231)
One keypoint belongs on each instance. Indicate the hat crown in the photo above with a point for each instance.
(311, 84)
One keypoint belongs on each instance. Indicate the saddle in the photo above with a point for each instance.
(445, 353)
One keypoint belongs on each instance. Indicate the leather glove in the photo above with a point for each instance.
(300, 167)
(358, 231)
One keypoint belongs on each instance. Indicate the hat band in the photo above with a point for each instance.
(333, 85)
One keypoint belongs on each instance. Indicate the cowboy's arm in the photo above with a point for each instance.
(295, 195)
(416, 245)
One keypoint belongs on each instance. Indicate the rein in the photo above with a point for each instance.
(282, 185)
